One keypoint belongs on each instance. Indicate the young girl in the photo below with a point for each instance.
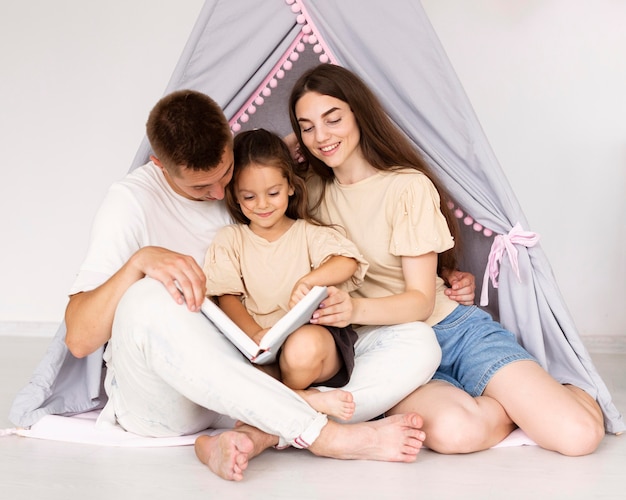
(367, 177)
(262, 266)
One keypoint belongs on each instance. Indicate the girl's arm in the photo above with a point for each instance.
(237, 312)
(416, 303)
(334, 271)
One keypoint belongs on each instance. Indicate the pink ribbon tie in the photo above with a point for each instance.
(501, 244)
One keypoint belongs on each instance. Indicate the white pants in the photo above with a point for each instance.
(171, 373)
(390, 363)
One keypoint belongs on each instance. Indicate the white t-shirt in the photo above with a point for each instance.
(142, 210)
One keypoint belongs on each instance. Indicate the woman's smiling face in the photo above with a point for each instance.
(329, 129)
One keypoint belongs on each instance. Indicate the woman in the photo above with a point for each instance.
(366, 177)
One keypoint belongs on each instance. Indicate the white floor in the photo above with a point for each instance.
(33, 469)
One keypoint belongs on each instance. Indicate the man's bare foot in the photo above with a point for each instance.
(336, 403)
(398, 438)
(227, 454)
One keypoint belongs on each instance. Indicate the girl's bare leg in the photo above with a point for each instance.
(335, 403)
(309, 355)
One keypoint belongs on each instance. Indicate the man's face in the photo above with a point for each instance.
(201, 185)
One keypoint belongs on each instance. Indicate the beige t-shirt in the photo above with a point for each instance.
(240, 262)
(389, 215)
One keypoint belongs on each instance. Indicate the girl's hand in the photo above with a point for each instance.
(335, 310)
(258, 336)
(297, 294)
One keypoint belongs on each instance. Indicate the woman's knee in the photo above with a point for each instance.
(458, 430)
(587, 427)
(581, 434)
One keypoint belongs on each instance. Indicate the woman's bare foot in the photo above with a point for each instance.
(398, 438)
(336, 403)
(227, 454)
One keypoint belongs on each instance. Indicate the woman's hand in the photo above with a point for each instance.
(335, 310)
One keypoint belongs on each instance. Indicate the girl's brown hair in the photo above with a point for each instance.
(265, 148)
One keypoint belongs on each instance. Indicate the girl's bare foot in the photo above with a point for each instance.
(336, 403)
(227, 454)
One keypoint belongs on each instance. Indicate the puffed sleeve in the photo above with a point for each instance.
(418, 226)
(325, 242)
(222, 263)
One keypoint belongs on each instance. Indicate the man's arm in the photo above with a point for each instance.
(89, 315)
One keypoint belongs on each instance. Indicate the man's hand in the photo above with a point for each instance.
(294, 147)
(170, 268)
(89, 315)
(462, 286)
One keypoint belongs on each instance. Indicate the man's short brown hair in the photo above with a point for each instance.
(188, 129)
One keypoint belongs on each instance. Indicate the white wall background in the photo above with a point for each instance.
(547, 79)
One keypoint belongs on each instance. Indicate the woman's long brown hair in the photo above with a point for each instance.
(383, 145)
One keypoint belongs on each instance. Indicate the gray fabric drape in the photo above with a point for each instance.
(234, 45)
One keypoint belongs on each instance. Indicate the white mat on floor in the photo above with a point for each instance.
(82, 429)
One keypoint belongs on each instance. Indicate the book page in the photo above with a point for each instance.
(266, 352)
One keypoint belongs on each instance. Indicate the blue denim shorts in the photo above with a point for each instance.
(473, 348)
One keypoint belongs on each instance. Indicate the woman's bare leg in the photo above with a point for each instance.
(557, 417)
(454, 421)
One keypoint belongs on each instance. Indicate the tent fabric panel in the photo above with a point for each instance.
(232, 48)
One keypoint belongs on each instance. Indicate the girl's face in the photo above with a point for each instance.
(263, 195)
(329, 129)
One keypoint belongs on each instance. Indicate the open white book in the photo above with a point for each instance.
(265, 352)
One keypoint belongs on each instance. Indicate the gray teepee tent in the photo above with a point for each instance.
(245, 54)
